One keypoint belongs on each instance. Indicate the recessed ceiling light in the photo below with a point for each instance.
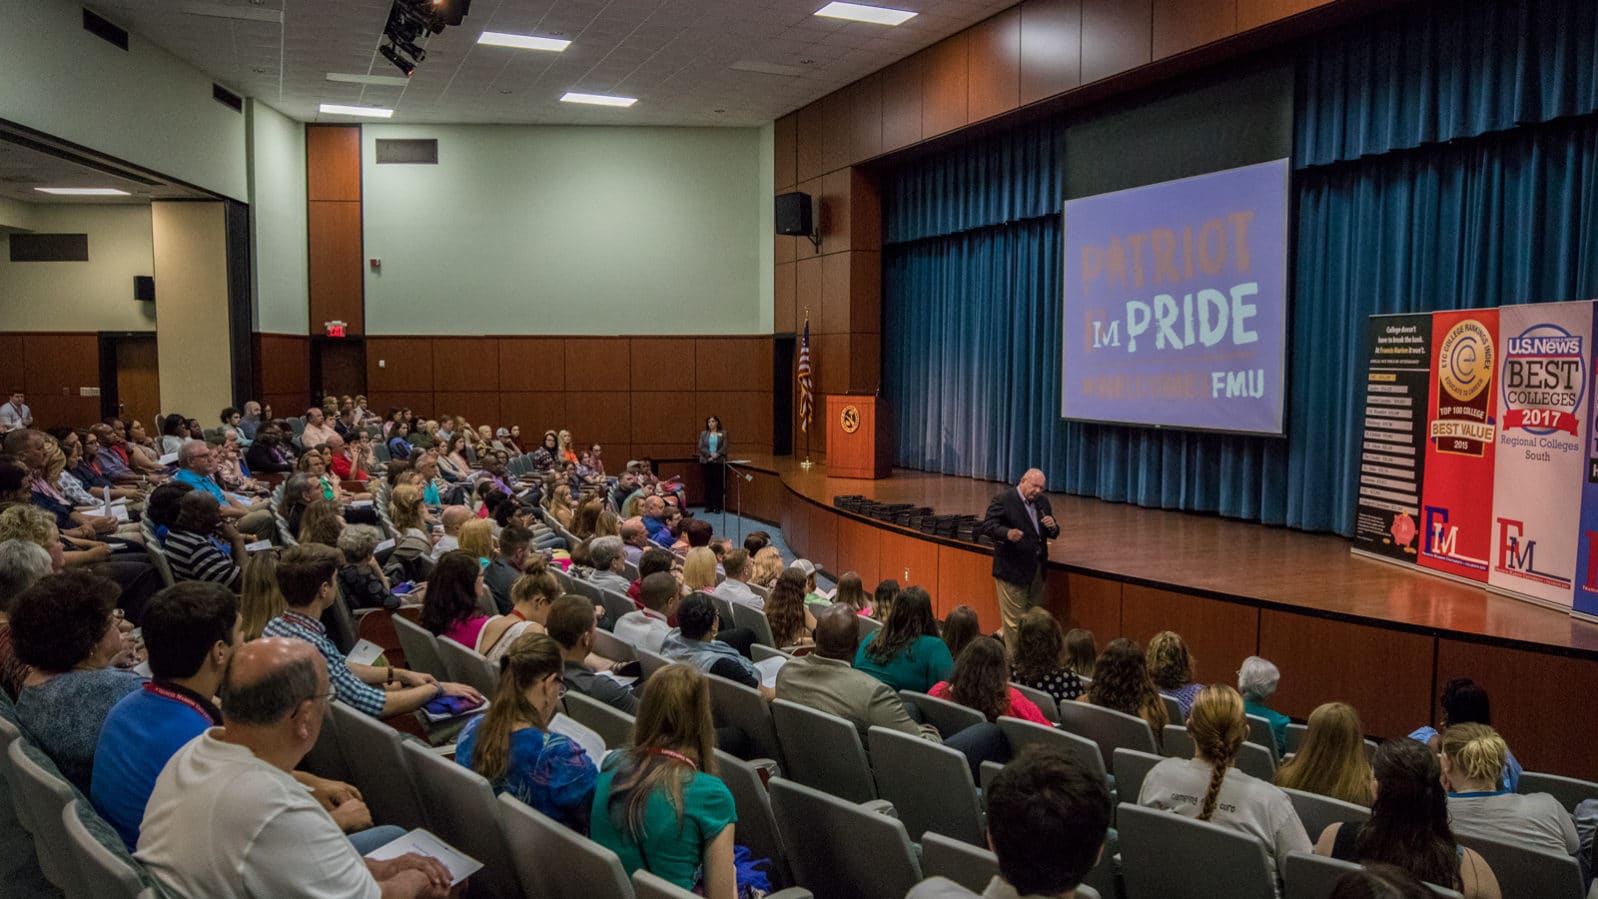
(384, 80)
(371, 112)
(83, 191)
(597, 99)
(522, 41)
(855, 12)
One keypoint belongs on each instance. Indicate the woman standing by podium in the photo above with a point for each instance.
(712, 463)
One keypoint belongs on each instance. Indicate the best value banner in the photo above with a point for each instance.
(1392, 447)
(1585, 599)
(1545, 357)
(1456, 499)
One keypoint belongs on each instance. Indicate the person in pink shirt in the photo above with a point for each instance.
(981, 680)
(450, 607)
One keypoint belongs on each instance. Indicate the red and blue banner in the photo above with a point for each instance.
(1456, 499)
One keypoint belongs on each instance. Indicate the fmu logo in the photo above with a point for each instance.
(1543, 381)
(1442, 539)
(1517, 555)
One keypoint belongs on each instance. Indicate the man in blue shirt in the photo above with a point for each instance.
(196, 464)
(655, 521)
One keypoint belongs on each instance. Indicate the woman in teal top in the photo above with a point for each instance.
(906, 653)
(659, 806)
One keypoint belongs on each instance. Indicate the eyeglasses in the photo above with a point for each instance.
(561, 683)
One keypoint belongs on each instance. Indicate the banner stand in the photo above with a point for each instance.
(1429, 572)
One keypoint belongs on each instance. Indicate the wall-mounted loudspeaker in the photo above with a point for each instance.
(793, 214)
(144, 288)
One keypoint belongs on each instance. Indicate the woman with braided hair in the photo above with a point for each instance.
(1208, 788)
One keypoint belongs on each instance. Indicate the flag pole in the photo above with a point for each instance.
(807, 393)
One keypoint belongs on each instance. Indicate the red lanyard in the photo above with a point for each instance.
(518, 614)
(675, 756)
(164, 693)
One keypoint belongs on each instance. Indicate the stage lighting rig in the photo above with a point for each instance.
(409, 21)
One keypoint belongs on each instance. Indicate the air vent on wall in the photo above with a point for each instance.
(418, 151)
(49, 248)
(104, 30)
(227, 98)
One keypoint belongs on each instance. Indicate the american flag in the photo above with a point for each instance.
(806, 398)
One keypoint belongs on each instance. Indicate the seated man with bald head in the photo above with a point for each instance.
(226, 817)
(827, 681)
(452, 518)
(634, 539)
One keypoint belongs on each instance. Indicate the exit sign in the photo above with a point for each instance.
(335, 329)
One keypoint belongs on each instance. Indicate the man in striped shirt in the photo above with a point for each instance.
(201, 546)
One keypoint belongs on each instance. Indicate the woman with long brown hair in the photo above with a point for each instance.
(510, 744)
(659, 805)
(906, 654)
(981, 681)
(1208, 788)
(1081, 651)
(1121, 682)
(1039, 652)
(1331, 761)
(852, 593)
(791, 622)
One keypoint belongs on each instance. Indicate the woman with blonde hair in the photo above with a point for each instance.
(531, 595)
(558, 502)
(768, 567)
(607, 524)
(564, 447)
(1208, 788)
(1121, 682)
(1331, 761)
(659, 805)
(1037, 658)
(1081, 651)
(1473, 757)
(699, 569)
(413, 545)
(1171, 668)
(477, 538)
(260, 600)
(511, 746)
(321, 523)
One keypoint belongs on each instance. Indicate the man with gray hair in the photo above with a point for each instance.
(1020, 522)
(1256, 680)
(605, 555)
(21, 565)
(196, 464)
(228, 819)
(634, 539)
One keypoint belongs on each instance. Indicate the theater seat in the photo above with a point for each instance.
(1167, 856)
(554, 860)
(839, 849)
(929, 785)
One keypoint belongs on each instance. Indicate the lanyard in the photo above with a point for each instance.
(164, 693)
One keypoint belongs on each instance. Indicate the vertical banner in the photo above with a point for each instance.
(1545, 351)
(1392, 447)
(1456, 500)
(1586, 595)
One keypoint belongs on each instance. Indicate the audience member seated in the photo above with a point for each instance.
(1171, 668)
(699, 568)
(412, 557)
(768, 566)
(511, 746)
(321, 523)
(959, 628)
(22, 564)
(659, 805)
(477, 540)
(695, 641)
(189, 631)
(851, 592)
(981, 681)
(227, 818)
(452, 463)
(634, 536)
(1039, 657)
(1332, 760)
(648, 628)
(1408, 826)
(260, 600)
(269, 452)
(196, 462)
(453, 518)
(572, 623)
(202, 545)
(792, 624)
(882, 599)
(305, 575)
(299, 491)
(364, 584)
(605, 556)
(654, 519)
(65, 628)
(652, 561)
(1047, 821)
(1081, 652)
(174, 433)
(399, 444)
(450, 607)
(1121, 682)
(531, 597)
(1257, 679)
(1466, 702)
(825, 680)
(559, 505)
(317, 430)
(515, 547)
(1472, 759)
(350, 461)
(1231, 798)
(736, 587)
(906, 653)
(545, 455)
(31, 450)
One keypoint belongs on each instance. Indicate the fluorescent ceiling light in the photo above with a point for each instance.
(769, 68)
(83, 191)
(597, 99)
(855, 12)
(522, 41)
(382, 80)
(371, 112)
(224, 11)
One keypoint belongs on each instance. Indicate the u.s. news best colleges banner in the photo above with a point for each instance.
(1456, 501)
(1392, 447)
(1585, 600)
(1175, 299)
(1545, 354)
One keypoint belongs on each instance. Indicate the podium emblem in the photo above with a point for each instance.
(850, 418)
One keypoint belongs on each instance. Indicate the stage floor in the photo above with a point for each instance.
(1269, 566)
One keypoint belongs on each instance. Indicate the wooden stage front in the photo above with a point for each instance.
(1339, 626)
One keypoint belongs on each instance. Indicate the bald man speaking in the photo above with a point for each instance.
(1021, 523)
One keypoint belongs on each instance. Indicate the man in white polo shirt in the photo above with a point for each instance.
(227, 819)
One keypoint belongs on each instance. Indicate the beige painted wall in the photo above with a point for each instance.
(191, 289)
(277, 220)
(81, 296)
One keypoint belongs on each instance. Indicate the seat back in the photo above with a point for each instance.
(1252, 758)
(462, 812)
(583, 588)
(102, 873)
(554, 860)
(420, 648)
(754, 619)
(822, 751)
(616, 604)
(158, 559)
(869, 626)
(1044, 701)
(1167, 856)
(874, 860)
(1131, 767)
(761, 652)
(650, 886)
(1306, 875)
(1173, 710)
(467, 666)
(741, 707)
(948, 717)
(757, 827)
(382, 774)
(1568, 790)
(929, 785)
(723, 609)
(1259, 731)
(1527, 873)
(972, 867)
(40, 795)
(327, 758)
(1295, 736)
(650, 662)
(613, 725)
(1024, 733)
(607, 646)
(1319, 812)
(1107, 728)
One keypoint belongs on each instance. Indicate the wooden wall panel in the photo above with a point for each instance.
(763, 498)
(1116, 35)
(1537, 697)
(1254, 13)
(901, 103)
(804, 247)
(1219, 634)
(785, 298)
(746, 414)
(837, 149)
(465, 364)
(836, 219)
(994, 70)
(807, 294)
(865, 117)
(1051, 48)
(337, 292)
(597, 363)
(536, 412)
(821, 537)
(284, 366)
(1093, 603)
(733, 363)
(343, 367)
(13, 367)
(834, 295)
(809, 162)
(532, 363)
(865, 293)
(909, 560)
(1181, 25)
(399, 364)
(480, 407)
(860, 551)
(333, 162)
(420, 402)
(785, 153)
(604, 418)
(865, 362)
(944, 85)
(829, 355)
(55, 367)
(965, 578)
(655, 358)
(659, 420)
(865, 211)
(1386, 675)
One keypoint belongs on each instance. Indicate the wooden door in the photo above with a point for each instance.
(138, 379)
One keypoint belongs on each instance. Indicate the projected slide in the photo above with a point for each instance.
(1176, 303)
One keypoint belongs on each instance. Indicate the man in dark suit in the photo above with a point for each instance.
(1021, 524)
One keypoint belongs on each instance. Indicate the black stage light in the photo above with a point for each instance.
(404, 65)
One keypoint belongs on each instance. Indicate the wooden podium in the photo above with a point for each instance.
(859, 437)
